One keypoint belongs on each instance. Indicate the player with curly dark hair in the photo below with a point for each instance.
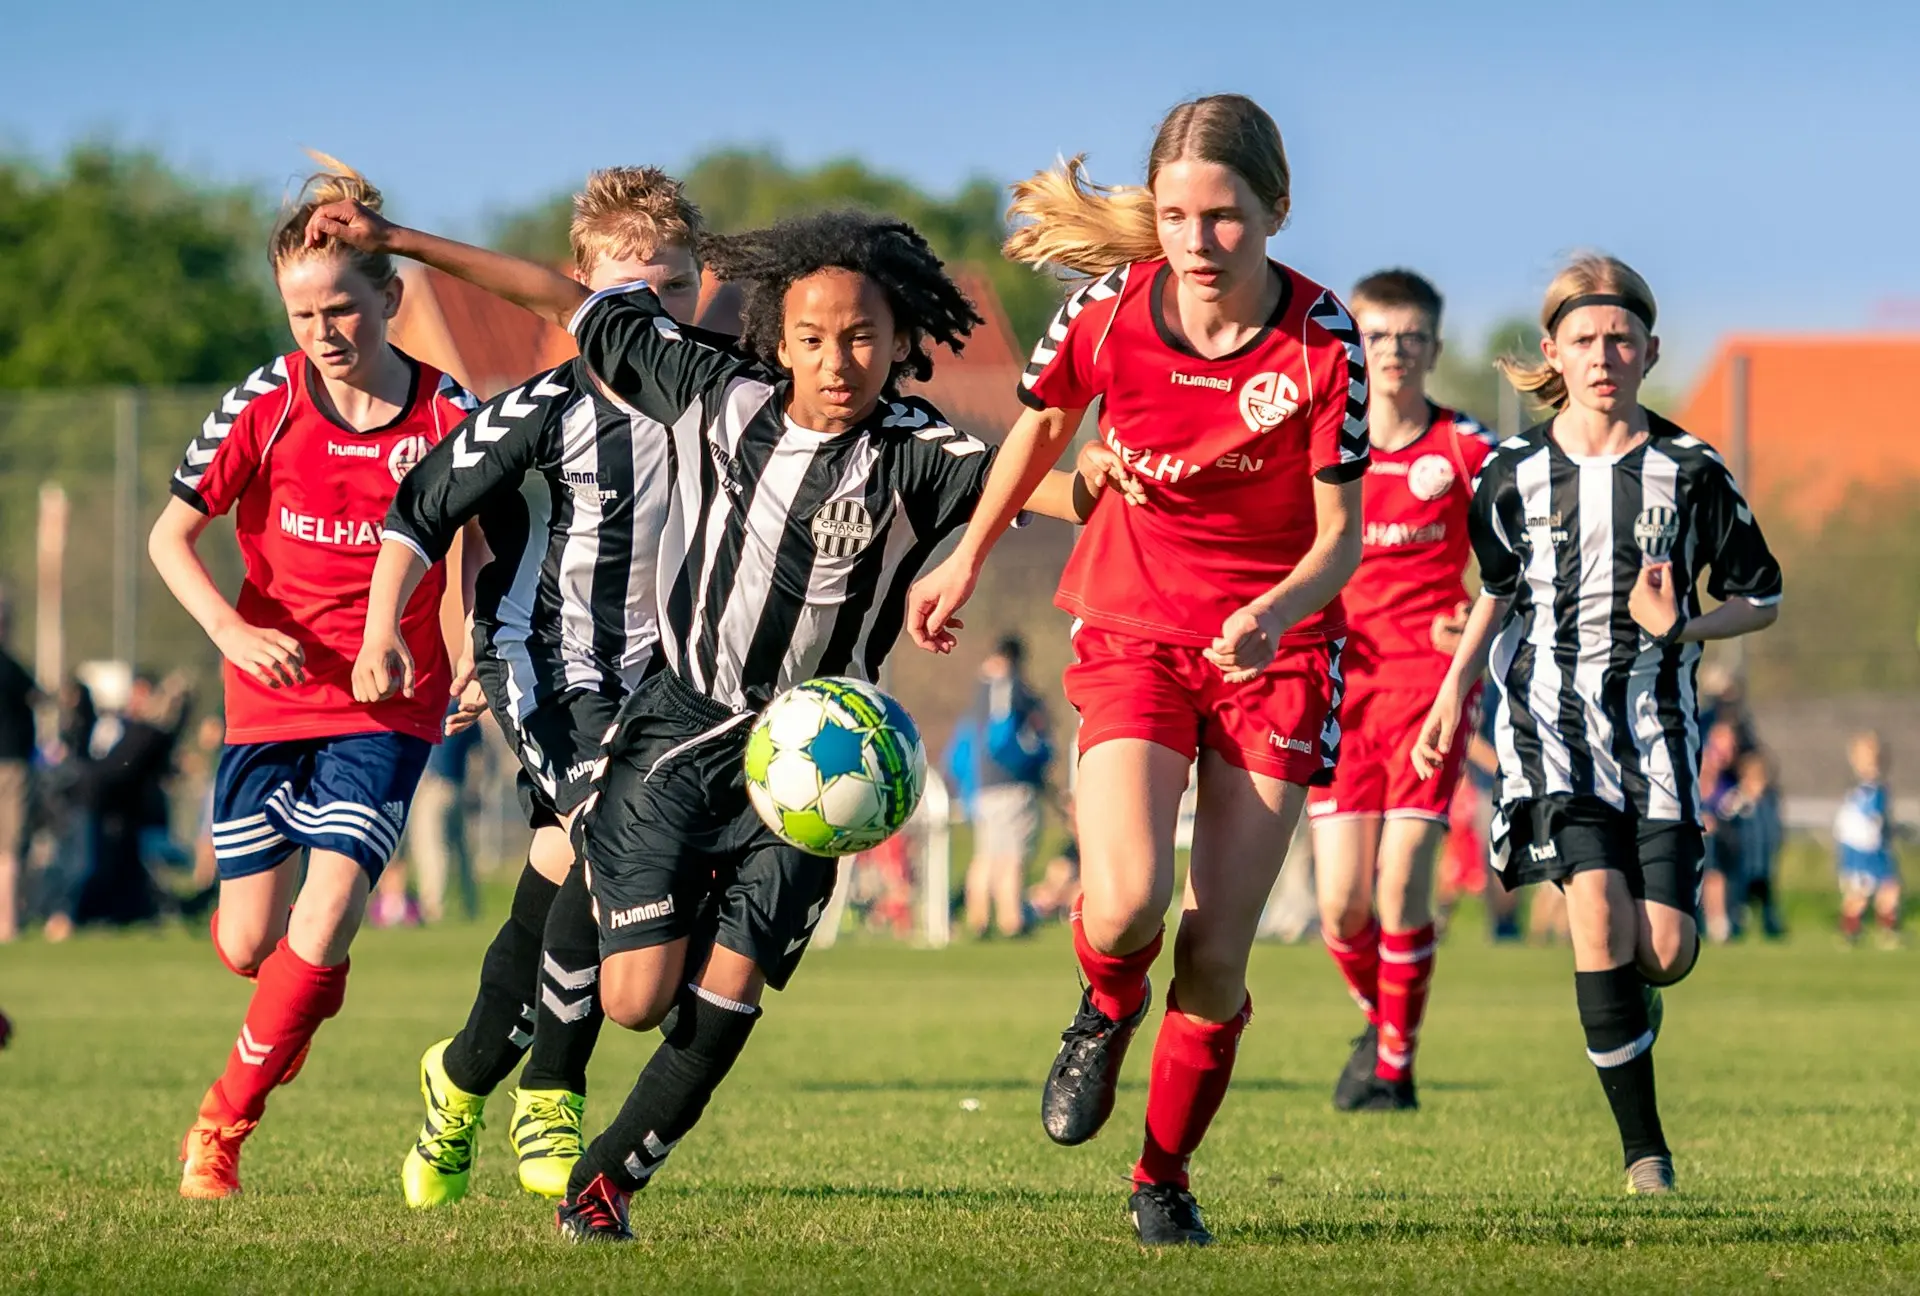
(805, 493)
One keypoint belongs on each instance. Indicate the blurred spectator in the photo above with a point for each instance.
(437, 848)
(1723, 701)
(125, 792)
(18, 697)
(1722, 878)
(1051, 898)
(1010, 759)
(62, 806)
(1863, 832)
(1752, 816)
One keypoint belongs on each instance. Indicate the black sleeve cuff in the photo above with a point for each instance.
(181, 491)
(1342, 473)
(1027, 397)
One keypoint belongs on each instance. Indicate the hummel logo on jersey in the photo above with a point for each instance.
(1200, 380)
(1268, 400)
(344, 532)
(336, 450)
(586, 483)
(640, 913)
(725, 463)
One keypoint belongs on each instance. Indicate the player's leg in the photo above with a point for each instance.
(1242, 823)
(761, 922)
(1856, 896)
(1886, 909)
(1604, 927)
(1409, 850)
(1345, 847)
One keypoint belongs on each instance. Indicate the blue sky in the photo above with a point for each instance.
(1756, 161)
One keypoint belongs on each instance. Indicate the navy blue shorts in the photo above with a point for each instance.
(347, 794)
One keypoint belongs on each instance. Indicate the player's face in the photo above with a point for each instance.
(671, 272)
(1402, 345)
(1603, 353)
(338, 318)
(839, 342)
(1213, 229)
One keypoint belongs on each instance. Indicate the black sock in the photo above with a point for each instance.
(1613, 1011)
(500, 1025)
(568, 1010)
(672, 1091)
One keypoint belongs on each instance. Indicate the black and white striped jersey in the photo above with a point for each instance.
(1589, 705)
(784, 553)
(570, 489)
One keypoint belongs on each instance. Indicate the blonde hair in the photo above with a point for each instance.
(1589, 272)
(632, 212)
(336, 182)
(1077, 225)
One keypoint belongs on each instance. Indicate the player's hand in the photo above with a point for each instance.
(1447, 629)
(1247, 645)
(383, 667)
(1442, 726)
(357, 226)
(934, 599)
(275, 659)
(1100, 466)
(1653, 603)
(473, 702)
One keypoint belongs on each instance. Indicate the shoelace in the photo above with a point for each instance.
(601, 1207)
(1179, 1205)
(1088, 1024)
(216, 1145)
(552, 1124)
(443, 1147)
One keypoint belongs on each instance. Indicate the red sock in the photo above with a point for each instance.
(1359, 961)
(1118, 981)
(1406, 971)
(1192, 1063)
(1850, 924)
(290, 1000)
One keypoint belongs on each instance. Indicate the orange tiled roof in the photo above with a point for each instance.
(1808, 395)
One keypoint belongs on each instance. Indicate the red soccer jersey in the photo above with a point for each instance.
(1412, 569)
(309, 497)
(1227, 450)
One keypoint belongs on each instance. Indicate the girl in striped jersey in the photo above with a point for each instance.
(1592, 530)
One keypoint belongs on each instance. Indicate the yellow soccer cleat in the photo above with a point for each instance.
(439, 1166)
(546, 1135)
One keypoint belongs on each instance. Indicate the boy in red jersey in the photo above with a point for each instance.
(1378, 819)
(1233, 394)
(307, 453)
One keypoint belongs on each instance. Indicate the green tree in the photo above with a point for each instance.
(742, 188)
(114, 270)
(1466, 378)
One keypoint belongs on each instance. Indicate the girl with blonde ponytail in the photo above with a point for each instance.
(1592, 531)
(1233, 434)
(306, 452)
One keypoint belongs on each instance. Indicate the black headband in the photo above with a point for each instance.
(1633, 306)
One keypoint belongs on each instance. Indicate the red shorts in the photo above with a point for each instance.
(1278, 723)
(1375, 776)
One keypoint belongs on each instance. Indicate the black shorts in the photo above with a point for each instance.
(558, 744)
(1552, 838)
(674, 849)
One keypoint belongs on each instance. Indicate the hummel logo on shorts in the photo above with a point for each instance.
(640, 913)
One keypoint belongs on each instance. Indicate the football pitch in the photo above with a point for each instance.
(881, 1135)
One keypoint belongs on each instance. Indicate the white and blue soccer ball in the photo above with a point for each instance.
(835, 766)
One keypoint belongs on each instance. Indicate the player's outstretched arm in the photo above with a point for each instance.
(273, 658)
(1437, 735)
(1032, 447)
(546, 293)
(385, 664)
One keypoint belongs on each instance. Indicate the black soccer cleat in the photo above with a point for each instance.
(598, 1213)
(1388, 1095)
(1164, 1215)
(1078, 1096)
(1357, 1079)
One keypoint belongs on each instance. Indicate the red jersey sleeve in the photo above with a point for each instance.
(1338, 445)
(222, 458)
(1063, 373)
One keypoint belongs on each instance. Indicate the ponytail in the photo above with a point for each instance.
(1077, 225)
(336, 182)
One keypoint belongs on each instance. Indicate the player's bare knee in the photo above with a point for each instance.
(1123, 928)
(1345, 918)
(635, 1007)
(243, 952)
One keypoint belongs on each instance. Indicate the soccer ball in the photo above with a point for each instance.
(835, 766)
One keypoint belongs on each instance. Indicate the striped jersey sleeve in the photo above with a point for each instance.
(1339, 446)
(222, 457)
(657, 365)
(1491, 529)
(944, 469)
(1732, 544)
(1063, 373)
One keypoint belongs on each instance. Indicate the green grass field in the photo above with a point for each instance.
(845, 1154)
